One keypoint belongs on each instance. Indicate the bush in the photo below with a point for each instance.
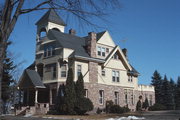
(118, 109)
(109, 104)
(99, 111)
(157, 107)
(83, 105)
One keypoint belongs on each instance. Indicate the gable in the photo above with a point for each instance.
(121, 57)
(106, 40)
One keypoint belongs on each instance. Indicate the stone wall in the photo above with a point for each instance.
(109, 94)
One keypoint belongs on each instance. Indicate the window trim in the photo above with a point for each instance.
(116, 76)
(103, 72)
(79, 72)
(116, 98)
(65, 71)
(101, 97)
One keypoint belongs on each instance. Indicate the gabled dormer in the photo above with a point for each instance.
(50, 20)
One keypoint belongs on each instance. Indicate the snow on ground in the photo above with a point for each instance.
(127, 118)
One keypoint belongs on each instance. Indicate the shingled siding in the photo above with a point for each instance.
(109, 94)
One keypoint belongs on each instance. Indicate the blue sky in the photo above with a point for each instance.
(149, 29)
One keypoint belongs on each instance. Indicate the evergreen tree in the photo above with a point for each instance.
(139, 106)
(7, 79)
(70, 95)
(157, 83)
(146, 104)
(177, 96)
(172, 93)
(83, 104)
(166, 92)
(79, 87)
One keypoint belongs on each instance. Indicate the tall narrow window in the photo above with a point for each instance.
(99, 50)
(132, 97)
(78, 70)
(86, 93)
(101, 97)
(63, 70)
(126, 96)
(103, 52)
(116, 99)
(150, 100)
(54, 72)
(130, 78)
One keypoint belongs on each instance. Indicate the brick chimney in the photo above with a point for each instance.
(124, 50)
(91, 44)
(72, 32)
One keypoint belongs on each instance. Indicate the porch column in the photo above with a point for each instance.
(50, 96)
(36, 96)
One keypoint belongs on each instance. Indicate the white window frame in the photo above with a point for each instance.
(101, 97)
(101, 51)
(116, 98)
(79, 71)
(64, 71)
(130, 78)
(115, 76)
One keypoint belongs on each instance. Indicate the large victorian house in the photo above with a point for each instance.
(107, 73)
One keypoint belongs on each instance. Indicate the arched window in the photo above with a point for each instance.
(42, 33)
(56, 29)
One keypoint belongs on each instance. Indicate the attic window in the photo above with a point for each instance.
(115, 56)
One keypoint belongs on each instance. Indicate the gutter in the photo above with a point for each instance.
(90, 59)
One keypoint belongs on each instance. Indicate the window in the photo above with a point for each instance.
(126, 96)
(49, 51)
(101, 51)
(132, 97)
(78, 70)
(150, 100)
(107, 50)
(86, 93)
(130, 78)
(116, 100)
(101, 97)
(54, 72)
(115, 76)
(103, 72)
(63, 70)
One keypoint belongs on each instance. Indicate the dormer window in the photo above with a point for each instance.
(49, 51)
(101, 51)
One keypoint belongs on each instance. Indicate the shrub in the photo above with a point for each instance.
(157, 107)
(118, 109)
(83, 105)
(99, 111)
(109, 104)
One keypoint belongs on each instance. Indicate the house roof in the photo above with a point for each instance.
(51, 16)
(76, 43)
(98, 35)
(30, 78)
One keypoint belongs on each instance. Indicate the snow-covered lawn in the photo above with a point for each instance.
(127, 118)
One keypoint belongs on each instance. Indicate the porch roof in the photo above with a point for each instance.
(30, 79)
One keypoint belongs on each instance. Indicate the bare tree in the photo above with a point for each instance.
(12, 9)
